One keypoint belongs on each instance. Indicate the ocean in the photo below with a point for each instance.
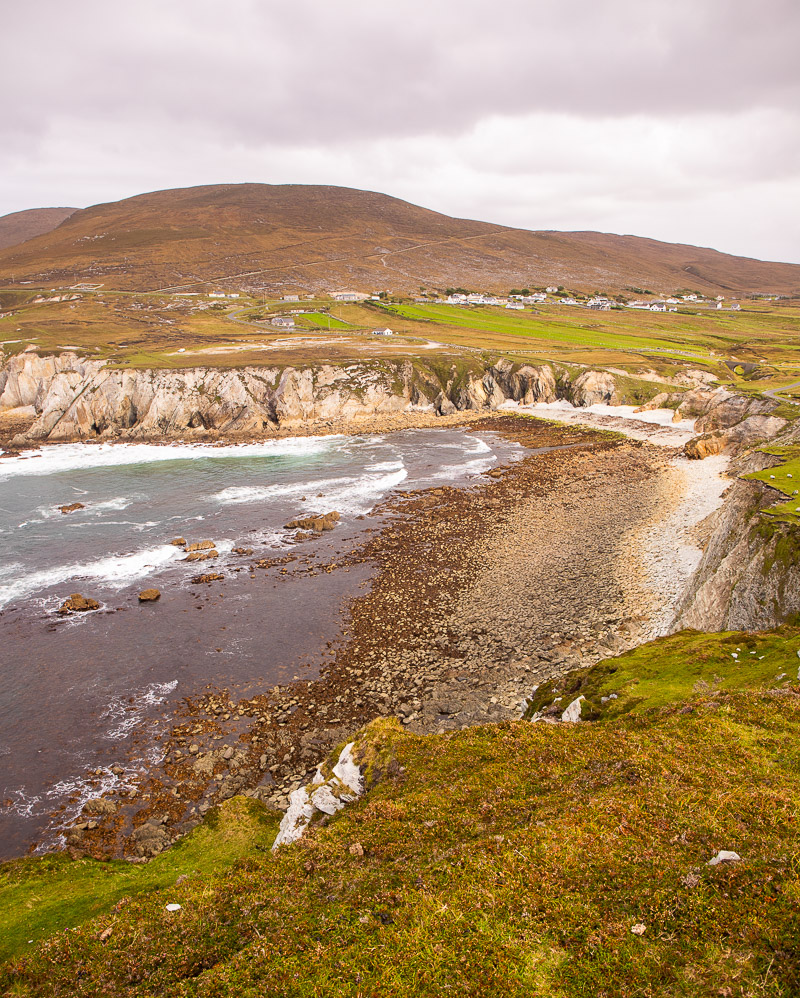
(85, 695)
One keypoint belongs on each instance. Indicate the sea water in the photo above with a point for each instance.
(81, 693)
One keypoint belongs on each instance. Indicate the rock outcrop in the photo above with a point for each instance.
(749, 575)
(726, 423)
(77, 399)
(78, 604)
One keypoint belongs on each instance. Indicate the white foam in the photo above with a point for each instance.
(75, 457)
(114, 570)
(350, 495)
(126, 717)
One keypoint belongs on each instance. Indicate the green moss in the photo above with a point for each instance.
(671, 670)
(39, 896)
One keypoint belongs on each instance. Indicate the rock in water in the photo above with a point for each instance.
(201, 546)
(149, 595)
(71, 507)
(327, 521)
(78, 604)
(201, 555)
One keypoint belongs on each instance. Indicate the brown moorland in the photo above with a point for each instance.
(22, 225)
(293, 238)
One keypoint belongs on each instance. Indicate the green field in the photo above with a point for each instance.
(321, 320)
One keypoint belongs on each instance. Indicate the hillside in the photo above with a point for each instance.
(295, 238)
(22, 225)
(509, 859)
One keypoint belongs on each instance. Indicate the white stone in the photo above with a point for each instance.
(347, 771)
(297, 817)
(724, 856)
(573, 712)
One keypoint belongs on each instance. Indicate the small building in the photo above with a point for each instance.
(516, 305)
(382, 332)
(551, 290)
(349, 296)
(216, 294)
(658, 306)
(283, 322)
(291, 297)
(736, 307)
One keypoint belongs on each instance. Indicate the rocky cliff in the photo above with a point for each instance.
(68, 397)
(749, 576)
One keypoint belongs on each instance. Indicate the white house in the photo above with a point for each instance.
(291, 297)
(658, 306)
(216, 294)
(516, 305)
(456, 299)
(552, 291)
(382, 332)
(283, 321)
(349, 296)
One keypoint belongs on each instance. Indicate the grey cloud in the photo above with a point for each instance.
(314, 71)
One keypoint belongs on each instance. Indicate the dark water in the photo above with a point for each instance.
(85, 692)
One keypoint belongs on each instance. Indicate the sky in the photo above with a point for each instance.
(674, 119)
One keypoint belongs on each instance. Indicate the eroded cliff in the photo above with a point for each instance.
(68, 397)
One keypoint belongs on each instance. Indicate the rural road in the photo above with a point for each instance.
(775, 393)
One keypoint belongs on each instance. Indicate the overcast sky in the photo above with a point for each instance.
(676, 119)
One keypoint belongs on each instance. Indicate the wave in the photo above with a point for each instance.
(57, 458)
(113, 570)
(347, 495)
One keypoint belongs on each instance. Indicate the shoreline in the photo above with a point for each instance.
(476, 595)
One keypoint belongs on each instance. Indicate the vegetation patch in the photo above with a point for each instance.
(513, 859)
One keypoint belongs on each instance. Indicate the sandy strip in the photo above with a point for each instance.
(667, 550)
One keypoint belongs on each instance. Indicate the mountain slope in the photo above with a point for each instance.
(22, 225)
(295, 237)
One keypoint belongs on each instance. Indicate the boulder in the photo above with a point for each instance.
(327, 521)
(149, 595)
(71, 507)
(99, 805)
(78, 604)
(201, 555)
(207, 578)
(199, 546)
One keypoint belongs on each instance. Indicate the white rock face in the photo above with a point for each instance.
(323, 796)
(573, 712)
(75, 398)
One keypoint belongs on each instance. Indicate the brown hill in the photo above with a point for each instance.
(21, 225)
(293, 237)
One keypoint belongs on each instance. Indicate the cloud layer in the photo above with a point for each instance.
(677, 120)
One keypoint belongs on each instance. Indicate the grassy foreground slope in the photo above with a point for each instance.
(512, 859)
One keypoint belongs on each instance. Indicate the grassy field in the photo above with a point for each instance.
(321, 320)
(514, 859)
(756, 348)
